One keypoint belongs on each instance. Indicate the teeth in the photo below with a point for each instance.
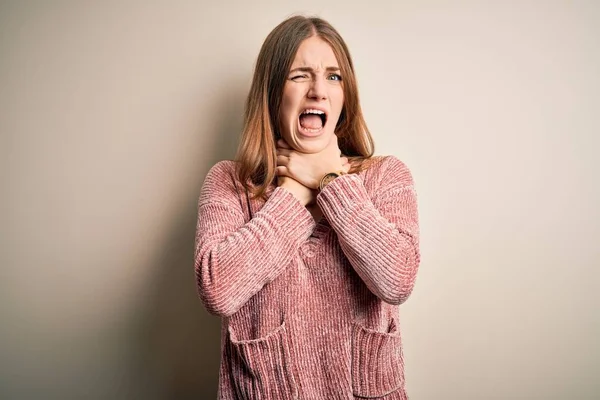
(313, 111)
(312, 130)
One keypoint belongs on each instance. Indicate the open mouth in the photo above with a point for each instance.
(312, 120)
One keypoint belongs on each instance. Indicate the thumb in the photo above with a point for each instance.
(333, 143)
(334, 140)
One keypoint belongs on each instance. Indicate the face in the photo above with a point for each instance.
(313, 97)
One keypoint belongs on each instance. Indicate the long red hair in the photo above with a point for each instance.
(256, 156)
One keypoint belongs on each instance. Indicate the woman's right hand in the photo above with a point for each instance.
(305, 195)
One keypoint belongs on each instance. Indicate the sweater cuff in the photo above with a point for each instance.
(341, 196)
(286, 212)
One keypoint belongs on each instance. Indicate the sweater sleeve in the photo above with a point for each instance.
(233, 258)
(380, 237)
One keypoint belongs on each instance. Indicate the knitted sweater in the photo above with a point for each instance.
(309, 309)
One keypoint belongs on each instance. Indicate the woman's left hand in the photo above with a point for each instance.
(308, 169)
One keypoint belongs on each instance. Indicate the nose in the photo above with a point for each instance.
(318, 89)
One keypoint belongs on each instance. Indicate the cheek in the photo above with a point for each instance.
(285, 115)
(339, 101)
(288, 105)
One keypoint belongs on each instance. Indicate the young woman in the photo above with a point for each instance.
(306, 244)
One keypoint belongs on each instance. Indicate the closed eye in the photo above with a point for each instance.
(299, 77)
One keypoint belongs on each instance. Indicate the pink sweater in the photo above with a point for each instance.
(309, 310)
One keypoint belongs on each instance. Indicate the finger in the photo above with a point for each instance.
(283, 160)
(282, 143)
(281, 171)
(284, 152)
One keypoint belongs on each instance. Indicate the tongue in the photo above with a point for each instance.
(311, 121)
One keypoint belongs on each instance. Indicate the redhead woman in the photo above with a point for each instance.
(307, 244)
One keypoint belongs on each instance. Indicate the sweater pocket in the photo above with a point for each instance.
(262, 368)
(377, 363)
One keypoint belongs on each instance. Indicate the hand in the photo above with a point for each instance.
(304, 195)
(308, 169)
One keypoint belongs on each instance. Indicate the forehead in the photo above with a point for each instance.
(316, 53)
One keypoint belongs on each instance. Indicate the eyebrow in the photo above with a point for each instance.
(310, 69)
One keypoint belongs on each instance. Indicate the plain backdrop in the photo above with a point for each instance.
(112, 112)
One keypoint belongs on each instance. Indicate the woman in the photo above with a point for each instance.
(306, 245)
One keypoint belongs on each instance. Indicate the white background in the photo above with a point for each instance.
(111, 113)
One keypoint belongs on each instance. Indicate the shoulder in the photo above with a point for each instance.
(220, 181)
(223, 172)
(223, 167)
(390, 168)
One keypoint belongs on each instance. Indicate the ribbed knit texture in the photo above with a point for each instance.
(309, 309)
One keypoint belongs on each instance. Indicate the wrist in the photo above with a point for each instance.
(303, 194)
(328, 178)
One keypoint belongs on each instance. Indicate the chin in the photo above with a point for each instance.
(311, 145)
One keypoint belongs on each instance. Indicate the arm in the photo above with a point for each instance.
(233, 259)
(380, 237)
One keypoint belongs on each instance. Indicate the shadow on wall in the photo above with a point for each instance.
(179, 353)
